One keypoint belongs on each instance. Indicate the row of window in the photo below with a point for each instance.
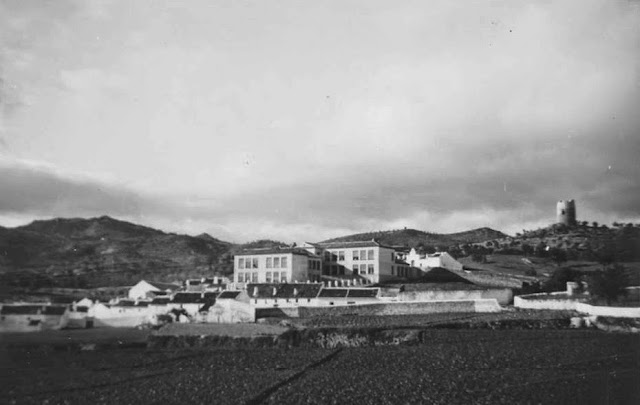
(271, 262)
(337, 270)
(271, 277)
(314, 265)
(363, 269)
(355, 255)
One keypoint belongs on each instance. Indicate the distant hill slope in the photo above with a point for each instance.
(413, 237)
(104, 251)
(620, 242)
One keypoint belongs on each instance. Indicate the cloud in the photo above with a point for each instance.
(217, 118)
(39, 189)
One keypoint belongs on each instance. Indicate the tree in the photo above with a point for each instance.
(558, 280)
(610, 283)
(594, 224)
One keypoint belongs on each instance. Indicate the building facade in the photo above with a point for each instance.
(429, 261)
(369, 260)
(279, 265)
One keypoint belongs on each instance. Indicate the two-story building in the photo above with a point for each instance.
(276, 265)
(370, 260)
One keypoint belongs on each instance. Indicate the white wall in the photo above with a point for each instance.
(502, 295)
(140, 290)
(530, 302)
(616, 312)
(230, 311)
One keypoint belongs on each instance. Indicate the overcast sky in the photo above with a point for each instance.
(304, 120)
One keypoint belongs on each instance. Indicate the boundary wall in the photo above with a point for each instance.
(504, 296)
(390, 308)
(561, 303)
(615, 312)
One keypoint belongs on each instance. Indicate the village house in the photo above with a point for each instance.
(124, 313)
(277, 265)
(228, 307)
(149, 289)
(33, 318)
(430, 261)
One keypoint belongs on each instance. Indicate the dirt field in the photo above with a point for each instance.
(235, 330)
(79, 336)
(453, 367)
(524, 317)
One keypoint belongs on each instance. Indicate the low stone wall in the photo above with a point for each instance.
(560, 304)
(121, 322)
(404, 308)
(504, 296)
(616, 312)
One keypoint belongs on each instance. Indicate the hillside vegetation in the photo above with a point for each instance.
(104, 251)
(413, 237)
(600, 243)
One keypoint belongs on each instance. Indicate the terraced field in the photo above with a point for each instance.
(451, 367)
(521, 317)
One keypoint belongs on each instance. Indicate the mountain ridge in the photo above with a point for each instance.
(104, 251)
(413, 237)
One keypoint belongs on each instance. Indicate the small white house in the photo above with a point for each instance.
(430, 261)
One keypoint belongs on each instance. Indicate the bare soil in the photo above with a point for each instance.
(450, 367)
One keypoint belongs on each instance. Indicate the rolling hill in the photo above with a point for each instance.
(104, 251)
(79, 252)
(414, 237)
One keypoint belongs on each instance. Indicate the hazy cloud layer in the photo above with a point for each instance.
(302, 120)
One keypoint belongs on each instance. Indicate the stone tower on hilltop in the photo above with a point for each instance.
(566, 212)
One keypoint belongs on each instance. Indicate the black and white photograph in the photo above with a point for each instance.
(319, 202)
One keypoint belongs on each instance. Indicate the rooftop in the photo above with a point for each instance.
(350, 244)
(20, 309)
(276, 251)
(228, 295)
(160, 301)
(188, 298)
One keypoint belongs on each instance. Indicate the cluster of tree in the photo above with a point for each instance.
(608, 284)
